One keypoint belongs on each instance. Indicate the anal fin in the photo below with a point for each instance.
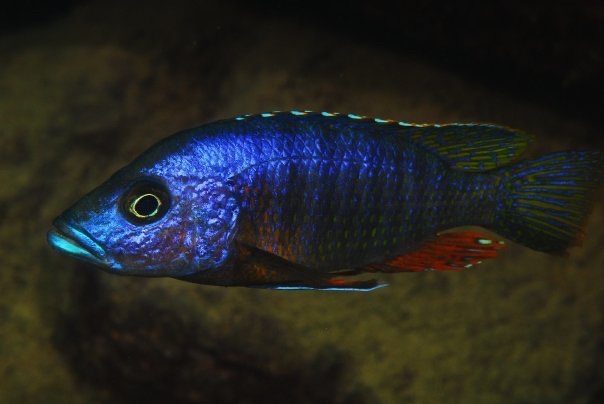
(448, 251)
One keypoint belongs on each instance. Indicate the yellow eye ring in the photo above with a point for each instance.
(145, 206)
(144, 202)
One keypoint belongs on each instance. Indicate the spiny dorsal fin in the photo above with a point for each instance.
(468, 147)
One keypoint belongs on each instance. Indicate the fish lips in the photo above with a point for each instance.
(75, 242)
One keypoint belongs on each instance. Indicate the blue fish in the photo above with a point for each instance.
(302, 200)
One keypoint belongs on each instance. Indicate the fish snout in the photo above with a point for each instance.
(74, 241)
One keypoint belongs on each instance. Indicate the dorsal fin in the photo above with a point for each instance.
(465, 146)
(473, 147)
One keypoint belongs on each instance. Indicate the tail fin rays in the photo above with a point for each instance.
(545, 202)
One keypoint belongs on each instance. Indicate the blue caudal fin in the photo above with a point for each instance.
(544, 202)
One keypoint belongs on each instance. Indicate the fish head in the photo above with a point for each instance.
(150, 225)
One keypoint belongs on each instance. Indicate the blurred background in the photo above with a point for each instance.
(86, 86)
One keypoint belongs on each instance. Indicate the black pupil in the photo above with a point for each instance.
(145, 202)
(147, 205)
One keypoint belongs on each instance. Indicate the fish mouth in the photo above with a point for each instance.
(75, 242)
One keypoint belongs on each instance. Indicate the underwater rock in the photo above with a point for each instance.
(145, 351)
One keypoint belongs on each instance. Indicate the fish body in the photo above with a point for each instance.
(289, 200)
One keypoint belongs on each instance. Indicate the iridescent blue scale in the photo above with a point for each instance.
(297, 171)
(287, 199)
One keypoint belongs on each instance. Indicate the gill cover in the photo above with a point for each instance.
(215, 213)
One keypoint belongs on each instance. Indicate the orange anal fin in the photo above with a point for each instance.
(448, 251)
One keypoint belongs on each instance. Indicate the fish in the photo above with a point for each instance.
(302, 200)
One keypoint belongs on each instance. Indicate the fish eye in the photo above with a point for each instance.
(144, 206)
(145, 202)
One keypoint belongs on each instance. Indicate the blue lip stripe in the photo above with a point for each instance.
(87, 242)
(68, 246)
(76, 238)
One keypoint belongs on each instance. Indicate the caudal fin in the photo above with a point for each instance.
(544, 202)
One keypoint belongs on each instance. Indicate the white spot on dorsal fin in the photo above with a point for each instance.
(414, 125)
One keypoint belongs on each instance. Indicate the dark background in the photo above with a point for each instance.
(548, 52)
(86, 86)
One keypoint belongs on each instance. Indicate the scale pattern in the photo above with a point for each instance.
(289, 199)
(330, 195)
